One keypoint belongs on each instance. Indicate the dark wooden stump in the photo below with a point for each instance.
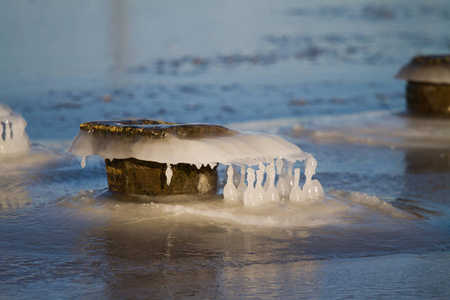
(428, 88)
(428, 98)
(139, 177)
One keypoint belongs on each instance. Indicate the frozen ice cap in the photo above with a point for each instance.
(172, 144)
(428, 69)
(13, 139)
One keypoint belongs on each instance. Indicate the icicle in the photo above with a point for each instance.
(271, 193)
(230, 192)
(169, 174)
(8, 130)
(318, 189)
(282, 188)
(262, 167)
(312, 189)
(296, 192)
(289, 177)
(236, 177)
(258, 187)
(279, 165)
(268, 168)
(242, 187)
(83, 162)
(251, 198)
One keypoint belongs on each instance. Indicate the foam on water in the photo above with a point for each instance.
(391, 128)
(337, 208)
(380, 128)
(372, 202)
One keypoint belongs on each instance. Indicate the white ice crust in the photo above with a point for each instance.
(244, 148)
(438, 74)
(13, 139)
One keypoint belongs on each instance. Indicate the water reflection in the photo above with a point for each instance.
(119, 33)
(159, 258)
(426, 182)
(422, 161)
(275, 280)
(15, 176)
(14, 193)
(146, 249)
(180, 255)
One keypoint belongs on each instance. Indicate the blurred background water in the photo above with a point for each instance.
(317, 74)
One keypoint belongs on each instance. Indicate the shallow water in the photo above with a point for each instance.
(319, 75)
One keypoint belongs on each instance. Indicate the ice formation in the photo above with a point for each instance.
(279, 164)
(242, 187)
(289, 177)
(266, 162)
(83, 161)
(13, 139)
(169, 174)
(431, 69)
(282, 187)
(258, 186)
(296, 193)
(312, 190)
(236, 177)
(241, 149)
(268, 171)
(230, 192)
(271, 191)
(251, 196)
(254, 195)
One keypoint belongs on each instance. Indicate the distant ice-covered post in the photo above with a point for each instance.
(428, 87)
(13, 139)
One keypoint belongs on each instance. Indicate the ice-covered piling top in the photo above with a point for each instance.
(427, 69)
(13, 138)
(173, 143)
(156, 129)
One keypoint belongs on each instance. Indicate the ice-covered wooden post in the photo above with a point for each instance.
(130, 175)
(13, 139)
(148, 157)
(428, 87)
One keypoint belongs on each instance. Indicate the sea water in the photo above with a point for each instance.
(317, 75)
